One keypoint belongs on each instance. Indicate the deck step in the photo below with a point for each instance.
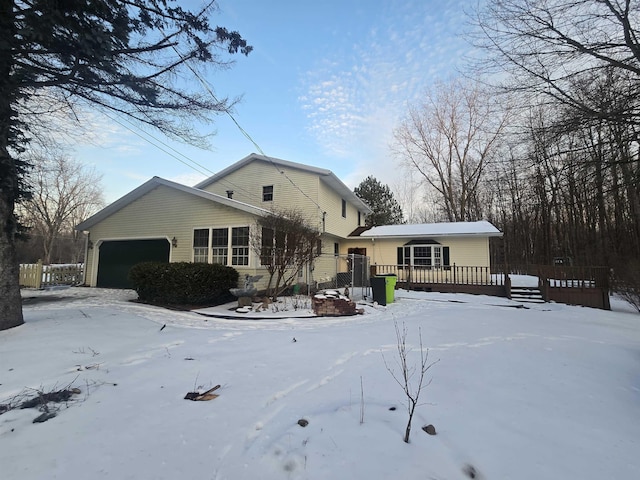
(526, 295)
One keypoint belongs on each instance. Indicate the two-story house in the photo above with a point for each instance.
(213, 221)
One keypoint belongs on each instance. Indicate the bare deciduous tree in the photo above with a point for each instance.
(410, 378)
(63, 193)
(450, 139)
(285, 242)
(545, 47)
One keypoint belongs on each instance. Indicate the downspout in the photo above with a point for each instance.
(86, 258)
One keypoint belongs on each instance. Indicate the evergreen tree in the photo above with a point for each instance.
(128, 57)
(386, 210)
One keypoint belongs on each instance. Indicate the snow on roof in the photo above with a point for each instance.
(434, 230)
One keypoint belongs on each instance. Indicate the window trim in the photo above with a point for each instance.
(215, 255)
(234, 257)
(344, 208)
(230, 256)
(204, 251)
(439, 256)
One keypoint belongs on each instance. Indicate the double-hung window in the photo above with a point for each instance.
(201, 245)
(240, 246)
(225, 246)
(267, 254)
(220, 245)
(422, 256)
(267, 193)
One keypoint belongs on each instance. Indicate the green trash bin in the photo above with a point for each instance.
(390, 286)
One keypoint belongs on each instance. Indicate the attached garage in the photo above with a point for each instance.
(116, 257)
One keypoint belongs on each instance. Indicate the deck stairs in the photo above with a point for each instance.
(526, 295)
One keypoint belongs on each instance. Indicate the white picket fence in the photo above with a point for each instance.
(37, 275)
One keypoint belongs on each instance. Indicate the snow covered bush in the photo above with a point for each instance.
(183, 283)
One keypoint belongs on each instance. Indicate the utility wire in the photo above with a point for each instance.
(208, 172)
(207, 87)
(157, 146)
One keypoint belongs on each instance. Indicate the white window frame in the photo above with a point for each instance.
(434, 258)
(236, 255)
(266, 193)
(231, 253)
(201, 254)
(218, 251)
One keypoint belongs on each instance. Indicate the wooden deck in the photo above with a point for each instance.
(586, 286)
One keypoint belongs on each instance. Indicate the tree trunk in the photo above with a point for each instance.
(10, 301)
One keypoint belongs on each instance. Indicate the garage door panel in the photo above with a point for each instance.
(116, 258)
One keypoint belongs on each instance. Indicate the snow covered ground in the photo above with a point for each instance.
(547, 392)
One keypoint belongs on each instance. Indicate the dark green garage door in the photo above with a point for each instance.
(118, 256)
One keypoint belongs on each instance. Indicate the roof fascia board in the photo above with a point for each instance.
(155, 182)
(468, 234)
(329, 177)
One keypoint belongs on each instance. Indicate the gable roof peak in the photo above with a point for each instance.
(325, 175)
(154, 182)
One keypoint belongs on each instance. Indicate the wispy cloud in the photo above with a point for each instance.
(356, 95)
(189, 179)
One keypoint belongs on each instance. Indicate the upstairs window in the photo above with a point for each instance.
(359, 218)
(344, 208)
(267, 193)
(201, 245)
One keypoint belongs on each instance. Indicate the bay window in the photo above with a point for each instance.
(423, 255)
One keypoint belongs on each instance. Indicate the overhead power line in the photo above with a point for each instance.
(208, 88)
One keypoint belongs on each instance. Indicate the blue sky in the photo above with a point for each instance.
(326, 84)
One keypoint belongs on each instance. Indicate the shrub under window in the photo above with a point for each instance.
(183, 283)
